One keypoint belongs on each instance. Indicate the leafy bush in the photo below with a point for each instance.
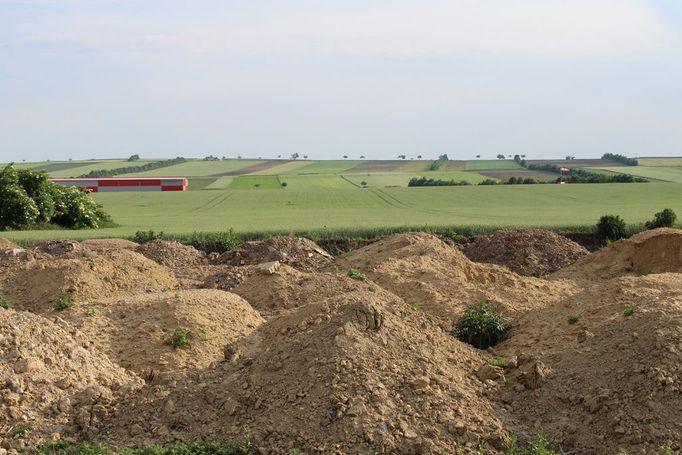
(423, 181)
(147, 236)
(481, 326)
(629, 310)
(440, 162)
(180, 338)
(64, 301)
(664, 218)
(134, 157)
(28, 197)
(4, 303)
(356, 274)
(284, 184)
(620, 158)
(610, 228)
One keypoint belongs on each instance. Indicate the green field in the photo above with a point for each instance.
(254, 182)
(666, 174)
(312, 207)
(198, 168)
(660, 161)
(488, 165)
(327, 167)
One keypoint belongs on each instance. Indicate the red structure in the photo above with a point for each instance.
(116, 184)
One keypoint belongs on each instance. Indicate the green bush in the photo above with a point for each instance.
(481, 326)
(75, 209)
(356, 274)
(629, 310)
(17, 209)
(664, 218)
(180, 338)
(64, 302)
(610, 228)
(4, 303)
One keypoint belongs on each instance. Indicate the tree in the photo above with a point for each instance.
(610, 228)
(402, 157)
(362, 157)
(17, 209)
(478, 156)
(665, 218)
(134, 157)
(419, 157)
(294, 156)
(345, 157)
(500, 156)
(305, 157)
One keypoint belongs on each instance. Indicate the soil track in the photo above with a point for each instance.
(311, 359)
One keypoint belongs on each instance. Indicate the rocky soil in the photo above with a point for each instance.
(283, 341)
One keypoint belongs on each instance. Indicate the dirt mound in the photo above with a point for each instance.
(36, 285)
(298, 252)
(607, 381)
(348, 375)
(101, 245)
(439, 279)
(52, 382)
(655, 251)
(288, 288)
(172, 254)
(134, 331)
(58, 247)
(7, 244)
(529, 252)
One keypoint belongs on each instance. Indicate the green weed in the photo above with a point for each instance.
(180, 338)
(64, 302)
(4, 303)
(629, 310)
(499, 362)
(572, 319)
(356, 274)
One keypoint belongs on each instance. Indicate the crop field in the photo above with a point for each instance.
(489, 165)
(538, 176)
(327, 167)
(666, 174)
(323, 202)
(198, 169)
(660, 161)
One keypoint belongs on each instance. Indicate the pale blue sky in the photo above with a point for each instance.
(545, 78)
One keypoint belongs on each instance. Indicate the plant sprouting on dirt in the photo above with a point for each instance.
(572, 319)
(629, 310)
(481, 326)
(499, 362)
(4, 303)
(64, 302)
(180, 338)
(414, 303)
(537, 447)
(356, 274)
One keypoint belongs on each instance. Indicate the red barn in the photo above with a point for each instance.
(118, 184)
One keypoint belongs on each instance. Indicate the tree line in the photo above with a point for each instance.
(133, 169)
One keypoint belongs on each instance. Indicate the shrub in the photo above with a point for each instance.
(481, 326)
(629, 310)
(4, 303)
(180, 338)
(17, 209)
(664, 218)
(356, 274)
(64, 302)
(572, 319)
(284, 184)
(75, 209)
(610, 228)
(499, 362)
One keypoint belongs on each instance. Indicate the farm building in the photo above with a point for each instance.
(109, 185)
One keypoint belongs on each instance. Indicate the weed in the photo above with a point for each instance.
(668, 448)
(60, 447)
(4, 303)
(180, 338)
(499, 362)
(629, 310)
(90, 312)
(413, 303)
(19, 431)
(64, 302)
(481, 326)
(356, 274)
(372, 289)
(572, 319)
(537, 447)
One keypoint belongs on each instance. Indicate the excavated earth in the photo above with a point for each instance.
(301, 352)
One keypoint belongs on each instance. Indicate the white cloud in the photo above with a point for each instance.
(554, 28)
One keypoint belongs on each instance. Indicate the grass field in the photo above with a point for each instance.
(255, 182)
(327, 167)
(198, 168)
(489, 165)
(95, 166)
(310, 207)
(315, 182)
(538, 176)
(660, 161)
(666, 174)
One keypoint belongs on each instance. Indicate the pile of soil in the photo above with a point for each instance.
(101, 245)
(58, 247)
(53, 383)
(134, 330)
(36, 285)
(298, 252)
(654, 251)
(607, 381)
(351, 374)
(172, 254)
(288, 288)
(439, 279)
(528, 252)
(7, 244)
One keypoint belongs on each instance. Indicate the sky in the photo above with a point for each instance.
(88, 79)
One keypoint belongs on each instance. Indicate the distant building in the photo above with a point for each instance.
(116, 184)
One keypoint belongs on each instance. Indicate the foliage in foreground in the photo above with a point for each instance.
(180, 338)
(209, 242)
(664, 218)
(64, 302)
(4, 303)
(610, 228)
(60, 447)
(27, 198)
(481, 326)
